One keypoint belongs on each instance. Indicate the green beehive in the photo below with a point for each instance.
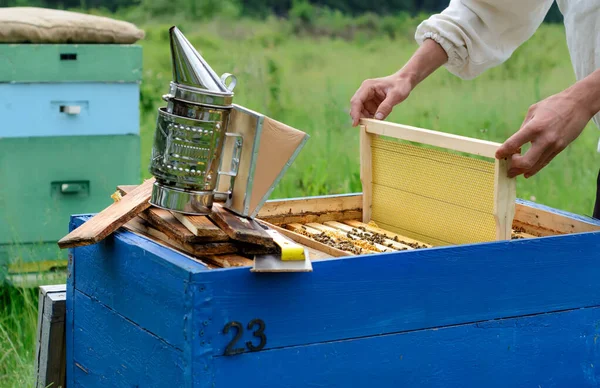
(70, 135)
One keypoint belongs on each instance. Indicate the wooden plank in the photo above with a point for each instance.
(202, 227)
(504, 200)
(240, 228)
(394, 236)
(141, 227)
(390, 243)
(320, 217)
(542, 220)
(307, 241)
(547, 350)
(111, 218)
(179, 226)
(366, 172)
(366, 245)
(351, 297)
(229, 261)
(283, 211)
(434, 138)
(196, 250)
(50, 359)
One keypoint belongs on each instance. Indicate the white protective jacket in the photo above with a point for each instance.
(480, 34)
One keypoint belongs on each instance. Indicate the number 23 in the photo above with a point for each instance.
(259, 333)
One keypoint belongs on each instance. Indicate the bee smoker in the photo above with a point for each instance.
(190, 134)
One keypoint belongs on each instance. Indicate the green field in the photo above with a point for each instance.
(307, 82)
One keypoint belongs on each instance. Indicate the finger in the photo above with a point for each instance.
(385, 108)
(364, 93)
(517, 140)
(544, 161)
(367, 114)
(371, 107)
(522, 164)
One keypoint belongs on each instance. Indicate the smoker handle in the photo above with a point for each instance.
(235, 164)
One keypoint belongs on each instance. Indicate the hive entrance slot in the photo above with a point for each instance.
(68, 57)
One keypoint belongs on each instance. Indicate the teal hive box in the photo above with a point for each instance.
(518, 313)
(70, 133)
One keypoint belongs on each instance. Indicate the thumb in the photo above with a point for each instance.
(386, 106)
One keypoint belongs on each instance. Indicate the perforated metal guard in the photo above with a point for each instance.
(432, 195)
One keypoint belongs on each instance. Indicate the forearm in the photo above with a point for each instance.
(427, 59)
(586, 93)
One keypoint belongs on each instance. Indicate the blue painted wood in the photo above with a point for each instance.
(69, 321)
(138, 279)
(30, 110)
(509, 313)
(549, 350)
(383, 293)
(119, 353)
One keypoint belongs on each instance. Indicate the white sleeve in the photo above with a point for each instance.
(480, 34)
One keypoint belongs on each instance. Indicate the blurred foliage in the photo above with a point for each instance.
(303, 9)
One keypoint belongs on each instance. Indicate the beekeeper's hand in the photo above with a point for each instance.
(551, 125)
(377, 97)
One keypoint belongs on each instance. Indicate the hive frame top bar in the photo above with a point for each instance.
(433, 138)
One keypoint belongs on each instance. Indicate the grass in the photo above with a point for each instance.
(307, 83)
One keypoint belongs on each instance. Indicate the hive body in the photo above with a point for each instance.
(70, 134)
(488, 314)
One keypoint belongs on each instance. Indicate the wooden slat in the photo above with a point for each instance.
(504, 200)
(196, 250)
(111, 218)
(351, 230)
(240, 228)
(366, 172)
(434, 138)
(307, 241)
(542, 222)
(202, 227)
(190, 229)
(312, 209)
(229, 261)
(355, 240)
(405, 240)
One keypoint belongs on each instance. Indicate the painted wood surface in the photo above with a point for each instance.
(391, 292)
(30, 110)
(547, 350)
(118, 353)
(70, 63)
(139, 279)
(50, 357)
(33, 171)
(353, 321)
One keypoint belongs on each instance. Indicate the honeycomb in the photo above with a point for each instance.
(432, 195)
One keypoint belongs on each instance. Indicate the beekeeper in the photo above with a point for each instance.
(471, 36)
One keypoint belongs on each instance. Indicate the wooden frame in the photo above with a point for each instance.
(504, 187)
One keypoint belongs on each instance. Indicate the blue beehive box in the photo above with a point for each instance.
(519, 313)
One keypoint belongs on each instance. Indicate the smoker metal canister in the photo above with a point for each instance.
(190, 133)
